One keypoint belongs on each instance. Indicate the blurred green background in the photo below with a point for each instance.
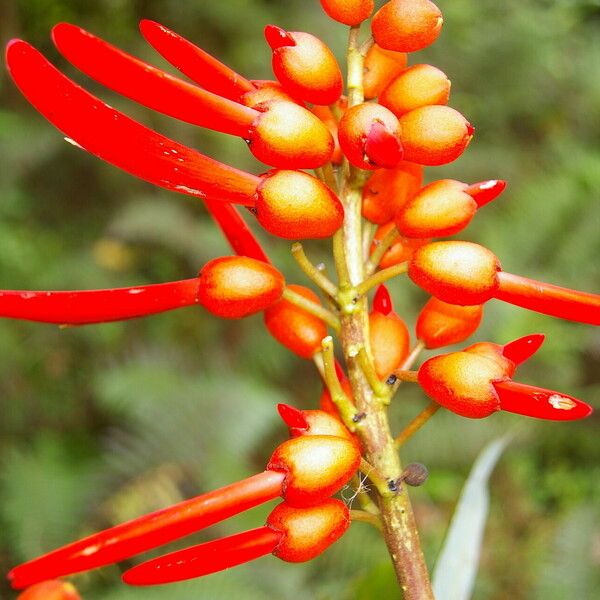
(99, 424)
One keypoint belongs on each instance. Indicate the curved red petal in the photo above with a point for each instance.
(292, 417)
(382, 147)
(97, 306)
(277, 37)
(149, 531)
(206, 558)
(235, 229)
(540, 403)
(121, 141)
(150, 86)
(549, 299)
(194, 62)
(484, 192)
(521, 349)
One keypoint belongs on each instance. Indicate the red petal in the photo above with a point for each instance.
(277, 37)
(485, 191)
(521, 349)
(235, 229)
(382, 302)
(152, 530)
(292, 417)
(119, 140)
(194, 62)
(382, 147)
(549, 299)
(540, 403)
(150, 86)
(97, 306)
(206, 558)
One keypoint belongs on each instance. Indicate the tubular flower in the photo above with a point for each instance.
(304, 65)
(465, 273)
(388, 333)
(305, 470)
(348, 12)
(369, 136)
(292, 534)
(445, 207)
(96, 127)
(477, 382)
(282, 135)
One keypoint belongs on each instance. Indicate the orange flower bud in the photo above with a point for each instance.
(407, 25)
(296, 205)
(290, 136)
(295, 328)
(304, 65)
(316, 467)
(369, 136)
(326, 115)
(494, 353)
(380, 67)
(50, 590)
(348, 12)
(434, 135)
(312, 422)
(400, 251)
(266, 91)
(388, 335)
(456, 272)
(442, 324)
(387, 190)
(419, 85)
(232, 287)
(308, 531)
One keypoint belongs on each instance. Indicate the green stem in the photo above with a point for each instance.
(382, 247)
(416, 424)
(381, 277)
(312, 272)
(312, 307)
(366, 517)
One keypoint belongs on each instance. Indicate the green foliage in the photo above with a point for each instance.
(103, 423)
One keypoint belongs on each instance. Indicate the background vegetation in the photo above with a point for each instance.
(99, 424)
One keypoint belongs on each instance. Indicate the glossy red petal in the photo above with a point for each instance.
(97, 306)
(540, 403)
(292, 417)
(206, 558)
(382, 147)
(520, 350)
(150, 531)
(277, 37)
(382, 301)
(485, 191)
(194, 62)
(150, 86)
(235, 229)
(549, 299)
(121, 141)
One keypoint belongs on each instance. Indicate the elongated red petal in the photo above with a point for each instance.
(485, 191)
(540, 403)
(235, 229)
(206, 558)
(152, 530)
(549, 299)
(150, 86)
(292, 417)
(119, 140)
(382, 301)
(97, 306)
(520, 350)
(382, 147)
(194, 62)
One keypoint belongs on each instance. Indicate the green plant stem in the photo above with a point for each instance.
(380, 482)
(399, 526)
(366, 517)
(416, 424)
(380, 389)
(408, 363)
(382, 247)
(312, 272)
(312, 307)
(381, 277)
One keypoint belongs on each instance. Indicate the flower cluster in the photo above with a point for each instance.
(368, 148)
